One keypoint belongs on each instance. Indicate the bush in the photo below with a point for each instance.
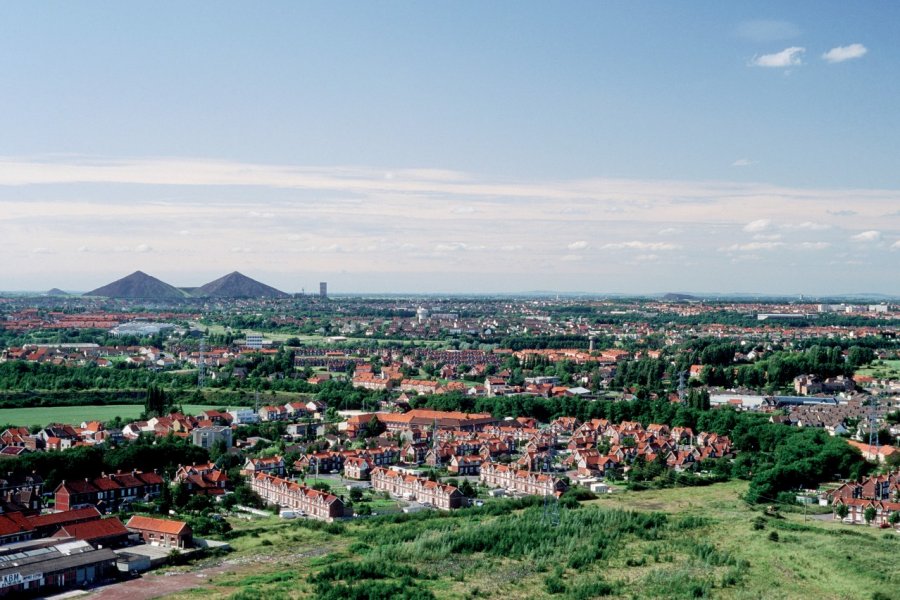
(773, 536)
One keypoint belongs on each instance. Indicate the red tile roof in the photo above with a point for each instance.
(160, 525)
(66, 516)
(93, 530)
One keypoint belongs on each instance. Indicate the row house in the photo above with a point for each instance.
(321, 462)
(294, 496)
(20, 437)
(878, 487)
(357, 467)
(857, 507)
(410, 487)
(108, 493)
(518, 481)
(272, 465)
(414, 453)
(465, 465)
(564, 425)
(207, 479)
(370, 381)
(419, 386)
(21, 493)
(273, 413)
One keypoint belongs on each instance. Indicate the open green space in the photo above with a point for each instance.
(882, 369)
(318, 340)
(676, 543)
(26, 417)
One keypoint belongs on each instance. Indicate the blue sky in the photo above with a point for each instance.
(471, 146)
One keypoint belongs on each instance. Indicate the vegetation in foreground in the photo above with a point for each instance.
(681, 543)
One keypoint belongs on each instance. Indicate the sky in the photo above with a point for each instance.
(479, 147)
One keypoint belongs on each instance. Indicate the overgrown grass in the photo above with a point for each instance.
(698, 543)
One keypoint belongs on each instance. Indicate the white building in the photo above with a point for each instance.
(243, 416)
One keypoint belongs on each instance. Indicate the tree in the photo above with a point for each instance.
(356, 495)
(181, 495)
(466, 489)
(166, 501)
(869, 515)
(894, 518)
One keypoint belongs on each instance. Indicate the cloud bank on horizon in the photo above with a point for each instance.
(434, 230)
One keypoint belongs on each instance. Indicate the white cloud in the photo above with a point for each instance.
(743, 162)
(260, 215)
(241, 250)
(572, 257)
(841, 53)
(757, 225)
(42, 250)
(753, 246)
(807, 226)
(463, 210)
(895, 245)
(789, 57)
(579, 245)
(638, 245)
(143, 249)
(353, 221)
(813, 245)
(184, 232)
(867, 236)
(457, 247)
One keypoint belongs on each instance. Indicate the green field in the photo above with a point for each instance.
(74, 415)
(676, 543)
(882, 369)
(317, 340)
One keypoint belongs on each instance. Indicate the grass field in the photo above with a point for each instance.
(26, 417)
(318, 340)
(882, 369)
(677, 543)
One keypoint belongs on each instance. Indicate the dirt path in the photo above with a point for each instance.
(154, 586)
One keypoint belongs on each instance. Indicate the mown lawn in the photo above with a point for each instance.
(75, 415)
(681, 543)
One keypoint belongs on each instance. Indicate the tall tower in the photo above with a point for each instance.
(323, 289)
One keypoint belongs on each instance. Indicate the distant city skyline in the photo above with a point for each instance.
(466, 148)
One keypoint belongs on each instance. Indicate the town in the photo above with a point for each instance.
(198, 416)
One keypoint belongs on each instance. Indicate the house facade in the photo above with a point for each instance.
(439, 495)
(296, 497)
(521, 482)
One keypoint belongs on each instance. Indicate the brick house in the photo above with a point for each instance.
(439, 495)
(162, 532)
(465, 465)
(109, 492)
(357, 467)
(297, 497)
(522, 482)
